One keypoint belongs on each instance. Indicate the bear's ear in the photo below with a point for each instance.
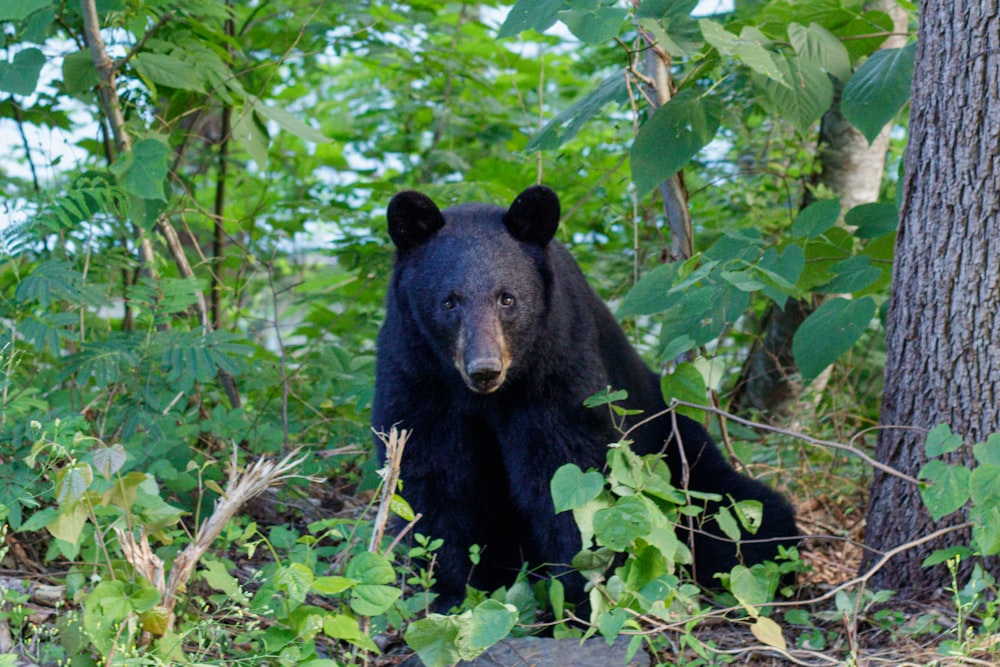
(534, 215)
(413, 218)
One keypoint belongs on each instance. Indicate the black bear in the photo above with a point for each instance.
(492, 340)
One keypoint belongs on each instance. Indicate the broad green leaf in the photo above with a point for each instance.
(781, 273)
(370, 568)
(986, 528)
(491, 621)
(940, 440)
(18, 10)
(853, 33)
(816, 218)
(819, 46)
(572, 488)
(829, 332)
(20, 77)
(617, 526)
(671, 25)
(109, 460)
(565, 126)
(538, 15)
(749, 47)
(667, 141)
(873, 220)
(611, 622)
(769, 632)
(373, 599)
(750, 514)
(853, 275)
(215, 574)
(295, 579)
(78, 72)
(143, 170)
(342, 626)
(727, 524)
(806, 97)
(750, 587)
(878, 90)
(594, 25)
(289, 122)
(984, 485)
(124, 491)
(687, 384)
(988, 452)
(652, 294)
(943, 555)
(606, 396)
(167, 70)
(250, 135)
(948, 488)
(435, 639)
(68, 526)
(72, 483)
(331, 585)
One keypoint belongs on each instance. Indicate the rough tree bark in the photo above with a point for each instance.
(852, 169)
(943, 324)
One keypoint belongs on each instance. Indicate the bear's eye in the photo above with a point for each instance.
(449, 303)
(506, 300)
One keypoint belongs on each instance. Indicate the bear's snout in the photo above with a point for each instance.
(485, 375)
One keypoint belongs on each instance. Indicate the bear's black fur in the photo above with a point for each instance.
(491, 342)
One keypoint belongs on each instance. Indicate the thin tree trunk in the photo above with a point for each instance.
(852, 169)
(943, 363)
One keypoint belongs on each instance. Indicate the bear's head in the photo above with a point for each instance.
(473, 279)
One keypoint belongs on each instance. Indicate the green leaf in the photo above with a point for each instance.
(948, 489)
(167, 70)
(20, 77)
(984, 485)
(215, 574)
(671, 25)
(687, 384)
(617, 526)
(878, 90)
(491, 621)
(538, 15)
(72, 483)
(342, 626)
(750, 587)
(727, 524)
(940, 440)
(289, 122)
(943, 555)
(819, 46)
(435, 639)
(370, 568)
(816, 218)
(18, 10)
(79, 73)
(873, 220)
(749, 47)
(769, 632)
(594, 25)
(295, 579)
(109, 460)
(829, 332)
(780, 274)
(142, 170)
(986, 529)
(853, 275)
(652, 294)
(373, 599)
(988, 452)
(572, 488)
(250, 135)
(611, 622)
(331, 585)
(806, 97)
(667, 141)
(565, 126)
(606, 396)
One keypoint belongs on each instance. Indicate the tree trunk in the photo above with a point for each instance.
(852, 169)
(943, 363)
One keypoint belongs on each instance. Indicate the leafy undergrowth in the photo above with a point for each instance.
(296, 578)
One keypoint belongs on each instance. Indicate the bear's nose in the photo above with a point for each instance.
(484, 371)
